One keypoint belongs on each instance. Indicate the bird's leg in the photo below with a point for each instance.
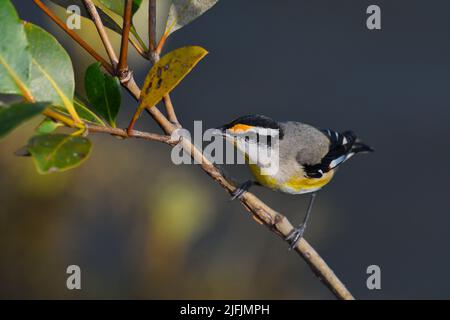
(244, 187)
(297, 233)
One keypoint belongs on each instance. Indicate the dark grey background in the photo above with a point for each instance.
(310, 61)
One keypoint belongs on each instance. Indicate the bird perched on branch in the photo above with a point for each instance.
(290, 157)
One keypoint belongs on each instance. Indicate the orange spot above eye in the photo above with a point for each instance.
(240, 127)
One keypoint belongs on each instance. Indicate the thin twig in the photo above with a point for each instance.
(133, 134)
(171, 115)
(108, 67)
(123, 64)
(262, 213)
(141, 43)
(101, 31)
(152, 24)
(139, 49)
(162, 42)
(154, 57)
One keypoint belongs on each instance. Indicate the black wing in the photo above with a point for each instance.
(341, 145)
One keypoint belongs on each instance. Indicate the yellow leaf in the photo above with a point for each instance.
(167, 73)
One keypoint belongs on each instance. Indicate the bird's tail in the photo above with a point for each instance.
(359, 147)
(354, 144)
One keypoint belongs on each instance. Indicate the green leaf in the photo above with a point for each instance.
(48, 126)
(117, 6)
(182, 12)
(107, 21)
(86, 113)
(15, 59)
(103, 92)
(16, 114)
(58, 152)
(52, 77)
(83, 111)
(167, 73)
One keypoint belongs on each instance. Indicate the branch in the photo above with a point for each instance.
(123, 64)
(152, 25)
(154, 57)
(170, 110)
(133, 134)
(262, 213)
(108, 67)
(101, 31)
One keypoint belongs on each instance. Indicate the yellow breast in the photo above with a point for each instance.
(265, 180)
(307, 184)
(295, 184)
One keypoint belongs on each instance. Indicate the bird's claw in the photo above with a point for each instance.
(237, 194)
(295, 235)
(241, 189)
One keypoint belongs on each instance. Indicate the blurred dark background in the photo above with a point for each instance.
(141, 227)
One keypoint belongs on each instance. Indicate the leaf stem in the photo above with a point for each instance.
(61, 118)
(161, 43)
(136, 115)
(139, 40)
(138, 48)
(74, 36)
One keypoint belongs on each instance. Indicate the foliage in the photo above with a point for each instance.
(15, 114)
(183, 12)
(58, 152)
(34, 66)
(167, 73)
(51, 77)
(103, 92)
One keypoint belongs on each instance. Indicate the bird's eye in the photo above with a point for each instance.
(247, 138)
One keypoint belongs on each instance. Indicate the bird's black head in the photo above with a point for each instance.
(248, 122)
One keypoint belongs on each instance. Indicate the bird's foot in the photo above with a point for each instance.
(240, 190)
(295, 235)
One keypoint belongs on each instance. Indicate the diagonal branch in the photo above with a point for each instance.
(101, 31)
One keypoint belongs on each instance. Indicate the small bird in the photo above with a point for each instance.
(306, 158)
